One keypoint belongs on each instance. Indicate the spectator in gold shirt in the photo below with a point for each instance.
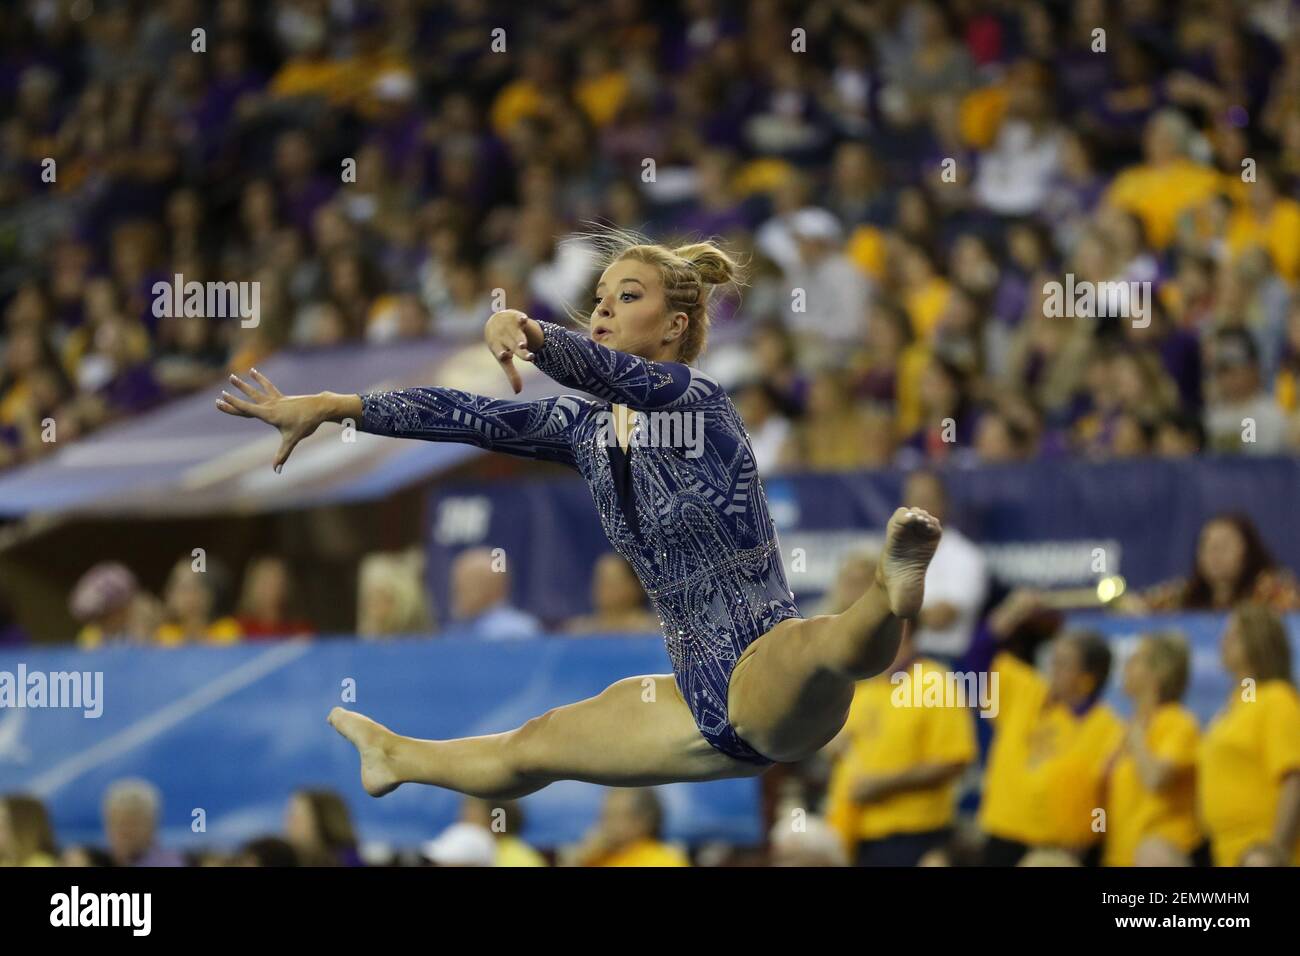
(1151, 785)
(627, 834)
(191, 597)
(1169, 183)
(1248, 771)
(893, 789)
(1053, 739)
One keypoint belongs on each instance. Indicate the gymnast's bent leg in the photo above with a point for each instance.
(638, 732)
(791, 690)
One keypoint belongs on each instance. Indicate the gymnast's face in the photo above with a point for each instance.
(630, 313)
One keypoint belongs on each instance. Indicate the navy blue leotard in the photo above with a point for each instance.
(683, 505)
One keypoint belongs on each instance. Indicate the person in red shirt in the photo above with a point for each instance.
(264, 603)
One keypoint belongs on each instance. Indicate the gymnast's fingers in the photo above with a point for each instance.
(286, 449)
(512, 373)
(265, 383)
(244, 387)
(237, 406)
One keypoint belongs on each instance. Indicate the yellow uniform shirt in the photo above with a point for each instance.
(512, 851)
(888, 739)
(601, 97)
(224, 630)
(518, 100)
(307, 76)
(645, 853)
(1134, 812)
(1246, 752)
(1160, 194)
(866, 250)
(925, 305)
(1278, 234)
(1046, 765)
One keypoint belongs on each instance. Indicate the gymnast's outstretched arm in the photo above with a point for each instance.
(542, 429)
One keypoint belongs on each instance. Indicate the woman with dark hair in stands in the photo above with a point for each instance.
(618, 603)
(1232, 565)
(753, 681)
(319, 828)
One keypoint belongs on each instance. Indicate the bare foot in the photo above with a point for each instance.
(911, 538)
(371, 740)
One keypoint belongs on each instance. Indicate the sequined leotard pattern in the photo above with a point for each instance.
(688, 514)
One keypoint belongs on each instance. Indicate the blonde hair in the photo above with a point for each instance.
(1170, 659)
(399, 576)
(689, 274)
(1264, 640)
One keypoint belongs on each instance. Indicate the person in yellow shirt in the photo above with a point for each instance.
(1053, 739)
(893, 790)
(190, 599)
(1151, 787)
(925, 292)
(26, 837)
(627, 834)
(1168, 183)
(1268, 220)
(504, 819)
(1248, 769)
(525, 96)
(602, 87)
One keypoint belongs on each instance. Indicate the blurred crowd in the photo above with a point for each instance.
(201, 602)
(906, 177)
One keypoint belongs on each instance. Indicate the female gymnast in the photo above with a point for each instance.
(752, 682)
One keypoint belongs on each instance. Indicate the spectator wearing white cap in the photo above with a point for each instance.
(462, 844)
(828, 294)
(1241, 417)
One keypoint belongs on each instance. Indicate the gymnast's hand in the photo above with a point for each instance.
(296, 416)
(509, 333)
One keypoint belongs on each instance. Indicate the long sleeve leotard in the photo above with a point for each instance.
(684, 504)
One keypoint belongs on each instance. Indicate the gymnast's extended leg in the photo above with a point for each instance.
(791, 689)
(637, 732)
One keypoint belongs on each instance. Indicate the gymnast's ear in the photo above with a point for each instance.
(677, 325)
